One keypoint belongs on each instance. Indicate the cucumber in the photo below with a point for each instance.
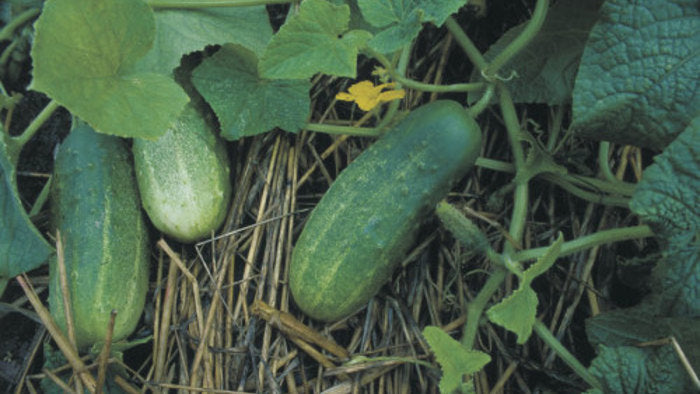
(95, 205)
(367, 220)
(183, 177)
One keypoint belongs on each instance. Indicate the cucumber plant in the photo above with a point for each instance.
(258, 81)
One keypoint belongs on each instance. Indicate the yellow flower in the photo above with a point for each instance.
(368, 96)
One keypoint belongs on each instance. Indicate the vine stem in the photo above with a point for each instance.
(476, 308)
(483, 102)
(186, 4)
(401, 67)
(574, 183)
(593, 197)
(521, 195)
(510, 118)
(343, 130)
(16, 22)
(588, 241)
(15, 144)
(618, 187)
(466, 43)
(603, 163)
(517, 225)
(422, 86)
(543, 332)
(521, 41)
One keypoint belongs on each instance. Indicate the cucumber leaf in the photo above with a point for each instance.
(179, 32)
(83, 56)
(676, 278)
(22, 247)
(398, 35)
(316, 40)
(667, 196)
(382, 13)
(629, 369)
(455, 359)
(632, 326)
(401, 20)
(357, 21)
(517, 312)
(544, 72)
(638, 80)
(671, 310)
(246, 104)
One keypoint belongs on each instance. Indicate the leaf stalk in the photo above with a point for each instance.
(521, 41)
(588, 241)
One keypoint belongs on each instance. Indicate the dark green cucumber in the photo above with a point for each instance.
(95, 205)
(183, 178)
(367, 220)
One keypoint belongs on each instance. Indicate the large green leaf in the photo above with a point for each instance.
(638, 80)
(401, 20)
(632, 326)
(545, 70)
(246, 104)
(676, 277)
(667, 199)
(629, 369)
(179, 32)
(398, 35)
(667, 196)
(671, 310)
(22, 248)
(316, 40)
(382, 13)
(83, 53)
(455, 359)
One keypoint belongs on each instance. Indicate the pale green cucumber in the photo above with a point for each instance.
(183, 178)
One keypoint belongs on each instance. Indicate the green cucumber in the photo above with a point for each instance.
(183, 177)
(367, 220)
(95, 205)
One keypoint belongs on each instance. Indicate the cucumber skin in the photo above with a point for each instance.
(183, 178)
(367, 220)
(96, 207)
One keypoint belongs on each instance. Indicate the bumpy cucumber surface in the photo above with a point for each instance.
(183, 178)
(96, 207)
(367, 220)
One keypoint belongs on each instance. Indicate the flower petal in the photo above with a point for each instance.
(392, 95)
(345, 96)
(367, 103)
